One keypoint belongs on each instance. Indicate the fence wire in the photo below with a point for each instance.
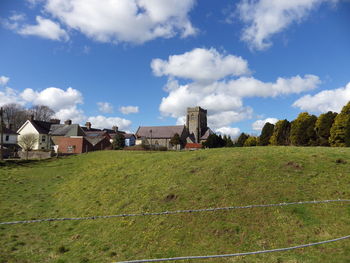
(172, 212)
(236, 254)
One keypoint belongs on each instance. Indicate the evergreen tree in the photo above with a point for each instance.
(323, 127)
(340, 131)
(214, 141)
(251, 141)
(118, 141)
(176, 140)
(241, 139)
(281, 133)
(302, 132)
(266, 134)
(228, 142)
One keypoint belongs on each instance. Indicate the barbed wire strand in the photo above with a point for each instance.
(236, 254)
(172, 212)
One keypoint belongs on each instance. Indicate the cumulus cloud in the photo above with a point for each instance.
(326, 100)
(129, 109)
(259, 124)
(135, 21)
(108, 122)
(201, 65)
(232, 132)
(221, 88)
(265, 18)
(44, 28)
(8, 96)
(4, 80)
(105, 107)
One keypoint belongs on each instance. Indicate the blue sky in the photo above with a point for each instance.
(142, 62)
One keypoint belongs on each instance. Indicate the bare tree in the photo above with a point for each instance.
(27, 142)
(14, 115)
(42, 112)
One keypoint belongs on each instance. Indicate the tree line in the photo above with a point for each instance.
(328, 129)
(15, 114)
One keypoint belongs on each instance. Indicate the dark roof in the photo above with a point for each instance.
(42, 127)
(8, 131)
(159, 131)
(66, 130)
(91, 129)
(95, 139)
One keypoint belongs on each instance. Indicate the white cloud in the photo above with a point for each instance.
(264, 18)
(232, 132)
(135, 21)
(4, 80)
(108, 122)
(201, 65)
(105, 107)
(129, 109)
(45, 28)
(326, 100)
(53, 97)
(8, 96)
(217, 90)
(259, 124)
(71, 113)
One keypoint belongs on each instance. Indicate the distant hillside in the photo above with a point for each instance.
(114, 182)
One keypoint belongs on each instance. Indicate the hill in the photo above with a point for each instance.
(115, 182)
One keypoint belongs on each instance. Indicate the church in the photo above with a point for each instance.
(196, 131)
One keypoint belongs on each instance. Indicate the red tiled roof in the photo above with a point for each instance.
(193, 146)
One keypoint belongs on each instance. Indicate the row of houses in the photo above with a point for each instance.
(66, 138)
(69, 138)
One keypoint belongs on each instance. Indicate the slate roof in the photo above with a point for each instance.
(66, 130)
(128, 135)
(95, 139)
(160, 132)
(8, 131)
(43, 127)
(206, 134)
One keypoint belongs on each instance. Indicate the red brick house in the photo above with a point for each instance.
(74, 145)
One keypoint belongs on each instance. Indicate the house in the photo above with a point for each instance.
(73, 145)
(195, 131)
(100, 140)
(160, 136)
(40, 129)
(10, 145)
(130, 139)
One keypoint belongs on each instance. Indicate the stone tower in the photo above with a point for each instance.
(196, 122)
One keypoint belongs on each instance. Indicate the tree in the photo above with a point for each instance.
(42, 112)
(340, 131)
(241, 139)
(281, 133)
(251, 141)
(176, 140)
(14, 115)
(323, 127)
(266, 134)
(214, 141)
(118, 141)
(27, 142)
(228, 141)
(302, 132)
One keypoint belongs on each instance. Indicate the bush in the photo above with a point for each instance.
(251, 141)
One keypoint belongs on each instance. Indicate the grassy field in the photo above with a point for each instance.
(113, 182)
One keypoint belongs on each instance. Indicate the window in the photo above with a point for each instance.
(7, 138)
(43, 139)
(70, 148)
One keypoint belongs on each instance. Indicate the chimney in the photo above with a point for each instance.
(9, 126)
(115, 129)
(68, 122)
(31, 117)
(55, 121)
(88, 125)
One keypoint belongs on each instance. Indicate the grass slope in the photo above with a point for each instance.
(113, 182)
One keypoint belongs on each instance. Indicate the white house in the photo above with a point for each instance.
(9, 137)
(41, 129)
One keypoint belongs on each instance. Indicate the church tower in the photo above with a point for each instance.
(196, 122)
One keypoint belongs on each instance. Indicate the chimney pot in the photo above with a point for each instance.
(88, 125)
(115, 129)
(68, 122)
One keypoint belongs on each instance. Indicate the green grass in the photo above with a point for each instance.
(113, 182)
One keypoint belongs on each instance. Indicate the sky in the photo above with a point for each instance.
(136, 63)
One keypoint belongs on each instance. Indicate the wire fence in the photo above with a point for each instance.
(173, 212)
(236, 254)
